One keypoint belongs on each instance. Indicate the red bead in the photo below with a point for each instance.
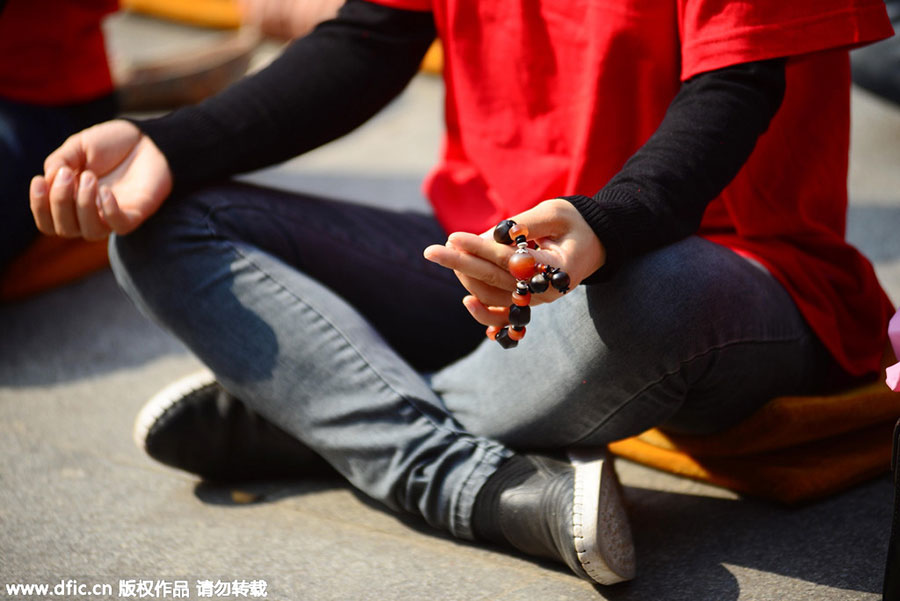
(518, 230)
(517, 334)
(521, 299)
(492, 332)
(521, 265)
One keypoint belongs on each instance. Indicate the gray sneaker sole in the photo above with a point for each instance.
(602, 533)
(160, 402)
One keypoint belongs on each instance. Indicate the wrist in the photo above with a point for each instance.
(598, 219)
(164, 179)
(592, 250)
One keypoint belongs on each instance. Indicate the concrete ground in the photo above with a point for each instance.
(79, 501)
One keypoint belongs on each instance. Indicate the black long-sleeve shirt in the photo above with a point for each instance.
(326, 84)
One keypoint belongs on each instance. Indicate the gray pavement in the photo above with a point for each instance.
(79, 501)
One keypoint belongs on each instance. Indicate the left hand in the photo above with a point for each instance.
(566, 241)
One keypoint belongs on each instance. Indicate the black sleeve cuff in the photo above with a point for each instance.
(192, 163)
(661, 193)
(610, 214)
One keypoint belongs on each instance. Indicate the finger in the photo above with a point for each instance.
(89, 221)
(62, 204)
(40, 204)
(476, 267)
(483, 247)
(116, 219)
(489, 295)
(477, 244)
(549, 219)
(484, 314)
(70, 154)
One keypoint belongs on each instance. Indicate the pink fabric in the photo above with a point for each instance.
(893, 372)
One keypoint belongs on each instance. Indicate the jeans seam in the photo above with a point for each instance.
(668, 374)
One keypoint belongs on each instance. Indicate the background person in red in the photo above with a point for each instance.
(694, 157)
(54, 81)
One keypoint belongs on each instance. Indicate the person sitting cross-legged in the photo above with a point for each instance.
(682, 162)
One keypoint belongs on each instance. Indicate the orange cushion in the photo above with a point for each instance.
(222, 14)
(51, 262)
(434, 59)
(793, 450)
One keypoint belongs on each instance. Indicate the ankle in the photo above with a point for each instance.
(486, 512)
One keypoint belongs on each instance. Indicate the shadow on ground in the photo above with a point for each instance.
(76, 333)
(691, 547)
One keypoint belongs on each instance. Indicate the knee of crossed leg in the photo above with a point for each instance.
(156, 263)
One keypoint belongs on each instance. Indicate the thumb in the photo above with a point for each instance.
(548, 219)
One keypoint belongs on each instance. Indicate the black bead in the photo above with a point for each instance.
(501, 232)
(520, 239)
(504, 340)
(560, 281)
(539, 283)
(519, 316)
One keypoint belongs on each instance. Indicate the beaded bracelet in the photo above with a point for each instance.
(531, 278)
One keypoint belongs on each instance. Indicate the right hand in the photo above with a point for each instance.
(482, 265)
(288, 19)
(107, 178)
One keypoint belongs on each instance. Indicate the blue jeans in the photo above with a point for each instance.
(28, 133)
(325, 318)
